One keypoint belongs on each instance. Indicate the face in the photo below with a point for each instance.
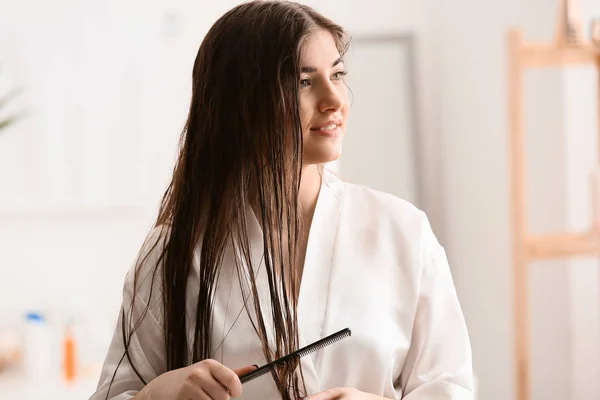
(323, 99)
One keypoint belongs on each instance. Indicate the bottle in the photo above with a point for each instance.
(69, 354)
(37, 351)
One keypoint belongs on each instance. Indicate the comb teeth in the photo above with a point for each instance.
(324, 344)
(319, 344)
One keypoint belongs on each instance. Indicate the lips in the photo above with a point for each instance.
(327, 126)
(330, 129)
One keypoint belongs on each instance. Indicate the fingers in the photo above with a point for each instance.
(225, 377)
(245, 370)
(217, 381)
(192, 388)
(202, 395)
(216, 391)
(205, 387)
(330, 394)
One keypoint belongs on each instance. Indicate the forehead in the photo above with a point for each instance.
(319, 48)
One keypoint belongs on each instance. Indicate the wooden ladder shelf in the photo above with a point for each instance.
(527, 247)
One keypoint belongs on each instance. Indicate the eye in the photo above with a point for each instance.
(304, 83)
(339, 74)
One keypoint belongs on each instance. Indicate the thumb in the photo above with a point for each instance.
(330, 394)
(245, 370)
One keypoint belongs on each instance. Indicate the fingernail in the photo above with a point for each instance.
(255, 366)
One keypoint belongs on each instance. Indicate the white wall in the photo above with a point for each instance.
(581, 131)
(474, 133)
(471, 65)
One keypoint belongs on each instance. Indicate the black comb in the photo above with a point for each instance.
(311, 348)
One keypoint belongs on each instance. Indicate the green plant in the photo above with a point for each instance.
(6, 121)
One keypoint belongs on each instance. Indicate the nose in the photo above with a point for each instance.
(331, 97)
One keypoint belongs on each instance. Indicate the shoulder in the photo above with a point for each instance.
(143, 282)
(383, 205)
(388, 217)
(148, 258)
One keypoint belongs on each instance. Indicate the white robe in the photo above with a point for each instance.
(372, 265)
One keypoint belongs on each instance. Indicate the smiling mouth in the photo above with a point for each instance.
(333, 129)
(326, 128)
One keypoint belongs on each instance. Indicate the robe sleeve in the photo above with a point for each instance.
(439, 362)
(146, 347)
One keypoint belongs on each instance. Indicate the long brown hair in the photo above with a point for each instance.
(241, 146)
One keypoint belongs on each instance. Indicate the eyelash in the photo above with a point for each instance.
(340, 73)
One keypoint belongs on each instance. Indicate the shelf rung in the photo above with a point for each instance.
(563, 245)
(550, 55)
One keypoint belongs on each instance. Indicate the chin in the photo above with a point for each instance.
(322, 157)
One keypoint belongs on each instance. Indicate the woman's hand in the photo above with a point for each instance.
(344, 393)
(206, 380)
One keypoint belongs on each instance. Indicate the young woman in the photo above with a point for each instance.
(259, 250)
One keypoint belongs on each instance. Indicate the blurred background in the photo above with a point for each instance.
(100, 89)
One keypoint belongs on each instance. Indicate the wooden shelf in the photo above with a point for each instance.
(542, 247)
(552, 55)
(523, 55)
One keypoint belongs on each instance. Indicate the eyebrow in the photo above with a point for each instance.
(313, 69)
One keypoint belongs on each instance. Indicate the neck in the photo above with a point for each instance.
(310, 186)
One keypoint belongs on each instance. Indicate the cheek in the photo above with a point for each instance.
(306, 112)
(345, 96)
